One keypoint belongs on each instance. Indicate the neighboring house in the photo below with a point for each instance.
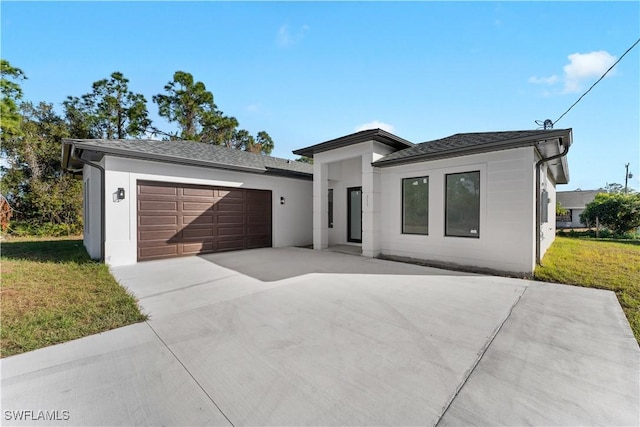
(574, 202)
(481, 200)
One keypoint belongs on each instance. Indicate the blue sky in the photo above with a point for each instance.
(310, 71)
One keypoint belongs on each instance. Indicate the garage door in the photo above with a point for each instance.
(176, 219)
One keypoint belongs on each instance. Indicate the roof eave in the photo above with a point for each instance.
(377, 135)
(164, 158)
(69, 163)
(527, 141)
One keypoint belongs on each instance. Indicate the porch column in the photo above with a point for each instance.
(371, 206)
(320, 206)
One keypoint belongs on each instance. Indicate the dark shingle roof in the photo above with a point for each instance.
(576, 199)
(469, 143)
(356, 138)
(192, 153)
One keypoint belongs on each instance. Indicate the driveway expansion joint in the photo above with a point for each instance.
(189, 373)
(479, 358)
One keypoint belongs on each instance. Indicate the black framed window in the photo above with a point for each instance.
(415, 205)
(331, 208)
(462, 205)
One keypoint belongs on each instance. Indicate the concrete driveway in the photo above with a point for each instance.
(300, 337)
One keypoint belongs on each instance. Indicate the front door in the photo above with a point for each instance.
(354, 214)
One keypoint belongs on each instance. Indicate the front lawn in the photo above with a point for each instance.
(597, 264)
(52, 292)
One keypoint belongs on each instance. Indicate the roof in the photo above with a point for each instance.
(378, 135)
(467, 143)
(180, 152)
(548, 143)
(577, 199)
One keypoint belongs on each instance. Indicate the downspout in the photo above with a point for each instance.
(538, 207)
(102, 201)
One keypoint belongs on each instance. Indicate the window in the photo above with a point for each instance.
(331, 208)
(564, 217)
(415, 205)
(462, 206)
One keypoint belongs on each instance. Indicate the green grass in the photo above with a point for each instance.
(52, 292)
(597, 264)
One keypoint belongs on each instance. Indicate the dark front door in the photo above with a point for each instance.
(354, 214)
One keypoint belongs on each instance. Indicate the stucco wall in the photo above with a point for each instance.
(340, 169)
(291, 222)
(91, 210)
(507, 212)
(548, 228)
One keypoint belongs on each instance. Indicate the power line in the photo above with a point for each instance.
(598, 81)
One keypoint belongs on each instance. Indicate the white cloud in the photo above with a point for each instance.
(544, 80)
(285, 38)
(585, 66)
(375, 125)
(582, 67)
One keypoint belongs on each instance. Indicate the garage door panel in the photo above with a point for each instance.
(158, 190)
(230, 244)
(176, 219)
(229, 206)
(162, 235)
(158, 220)
(257, 230)
(158, 252)
(230, 194)
(148, 205)
(231, 231)
(262, 196)
(197, 207)
(197, 248)
(198, 192)
(230, 219)
(258, 219)
(197, 219)
(198, 233)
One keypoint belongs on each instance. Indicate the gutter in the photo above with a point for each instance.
(102, 199)
(538, 207)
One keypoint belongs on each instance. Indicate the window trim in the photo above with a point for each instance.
(402, 207)
(446, 206)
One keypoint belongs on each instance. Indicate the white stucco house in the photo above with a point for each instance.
(476, 200)
(575, 203)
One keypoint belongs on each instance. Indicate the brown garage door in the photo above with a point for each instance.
(177, 219)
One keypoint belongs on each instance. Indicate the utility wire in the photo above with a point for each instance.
(593, 85)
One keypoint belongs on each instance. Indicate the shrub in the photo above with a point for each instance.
(618, 212)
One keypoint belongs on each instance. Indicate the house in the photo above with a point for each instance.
(482, 200)
(574, 202)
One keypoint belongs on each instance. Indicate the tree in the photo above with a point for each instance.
(560, 210)
(11, 94)
(305, 159)
(33, 181)
(191, 106)
(618, 212)
(613, 188)
(110, 111)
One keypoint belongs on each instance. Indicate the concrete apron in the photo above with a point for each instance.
(418, 348)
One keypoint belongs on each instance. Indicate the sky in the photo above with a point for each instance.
(307, 72)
